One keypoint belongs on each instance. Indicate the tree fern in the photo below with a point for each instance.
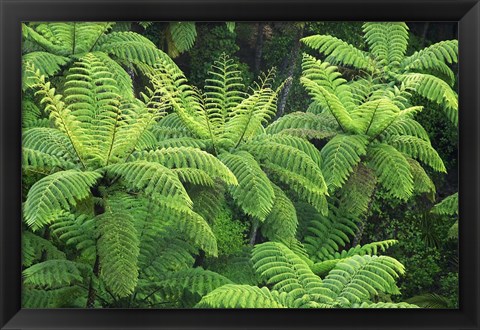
(353, 282)
(386, 62)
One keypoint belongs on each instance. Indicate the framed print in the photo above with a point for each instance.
(243, 164)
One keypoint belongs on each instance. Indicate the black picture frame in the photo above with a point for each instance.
(13, 12)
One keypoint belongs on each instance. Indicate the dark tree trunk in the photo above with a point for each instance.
(424, 34)
(259, 46)
(253, 232)
(361, 226)
(92, 291)
(282, 102)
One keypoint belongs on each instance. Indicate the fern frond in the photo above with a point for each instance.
(433, 89)
(35, 247)
(77, 231)
(359, 278)
(314, 126)
(49, 141)
(250, 116)
(208, 201)
(130, 47)
(281, 223)
(118, 251)
(122, 78)
(155, 180)
(444, 52)
(421, 181)
(223, 92)
(392, 170)
(293, 167)
(52, 274)
(183, 35)
(54, 298)
(387, 41)
(418, 149)
(47, 63)
(357, 193)
(326, 76)
(429, 300)
(323, 267)
(339, 51)
(59, 113)
(280, 267)
(340, 156)
(93, 98)
(405, 126)
(188, 157)
(171, 83)
(327, 234)
(382, 305)
(194, 280)
(373, 117)
(54, 37)
(330, 102)
(243, 296)
(34, 159)
(448, 206)
(51, 196)
(254, 192)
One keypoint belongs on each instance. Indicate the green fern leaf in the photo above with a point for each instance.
(433, 89)
(339, 51)
(340, 156)
(357, 193)
(52, 274)
(188, 157)
(242, 296)
(358, 278)
(387, 41)
(183, 35)
(448, 206)
(53, 195)
(118, 251)
(254, 192)
(418, 149)
(281, 223)
(392, 170)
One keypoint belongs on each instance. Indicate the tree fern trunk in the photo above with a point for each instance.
(361, 226)
(259, 46)
(92, 291)
(358, 234)
(282, 102)
(253, 232)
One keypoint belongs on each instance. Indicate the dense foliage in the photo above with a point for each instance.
(158, 183)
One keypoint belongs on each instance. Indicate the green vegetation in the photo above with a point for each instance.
(158, 173)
